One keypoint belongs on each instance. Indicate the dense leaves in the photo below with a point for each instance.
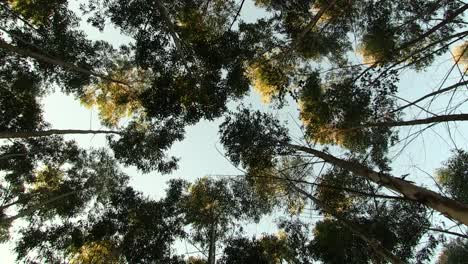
(453, 176)
(192, 60)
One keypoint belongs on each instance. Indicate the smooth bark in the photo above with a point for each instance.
(448, 207)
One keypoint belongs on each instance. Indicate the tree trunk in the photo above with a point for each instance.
(448, 207)
(212, 246)
(44, 133)
(170, 26)
(446, 21)
(429, 120)
(55, 61)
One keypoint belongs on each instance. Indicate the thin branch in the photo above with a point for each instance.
(349, 190)
(449, 207)
(429, 120)
(55, 61)
(29, 134)
(447, 232)
(237, 15)
(451, 87)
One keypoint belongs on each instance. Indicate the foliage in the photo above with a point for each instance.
(460, 55)
(453, 252)
(252, 139)
(127, 229)
(453, 176)
(217, 205)
(194, 60)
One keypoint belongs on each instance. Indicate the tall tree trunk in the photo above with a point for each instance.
(212, 246)
(55, 61)
(429, 120)
(446, 21)
(44, 133)
(446, 206)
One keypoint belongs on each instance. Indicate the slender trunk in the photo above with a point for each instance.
(423, 121)
(340, 188)
(446, 21)
(314, 21)
(44, 133)
(448, 232)
(237, 14)
(373, 243)
(9, 156)
(212, 246)
(55, 61)
(429, 120)
(446, 206)
(170, 26)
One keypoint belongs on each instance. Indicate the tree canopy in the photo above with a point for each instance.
(339, 65)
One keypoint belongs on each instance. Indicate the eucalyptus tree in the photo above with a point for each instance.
(127, 228)
(189, 59)
(453, 176)
(455, 251)
(50, 178)
(213, 209)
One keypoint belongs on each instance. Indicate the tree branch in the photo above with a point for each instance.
(55, 61)
(444, 205)
(430, 95)
(44, 133)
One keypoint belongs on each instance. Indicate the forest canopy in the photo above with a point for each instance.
(338, 68)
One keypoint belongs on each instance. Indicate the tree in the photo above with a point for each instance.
(128, 228)
(271, 140)
(289, 245)
(188, 61)
(453, 176)
(454, 252)
(211, 208)
(53, 178)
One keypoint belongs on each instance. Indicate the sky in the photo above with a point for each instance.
(201, 153)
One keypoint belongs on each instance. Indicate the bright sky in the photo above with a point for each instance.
(199, 151)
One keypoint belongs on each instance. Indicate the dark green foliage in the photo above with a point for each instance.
(136, 229)
(337, 112)
(144, 145)
(219, 205)
(454, 252)
(186, 62)
(290, 246)
(253, 139)
(398, 225)
(454, 176)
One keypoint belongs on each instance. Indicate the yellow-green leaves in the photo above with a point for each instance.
(95, 253)
(460, 55)
(376, 47)
(48, 178)
(268, 78)
(116, 101)
(37, 12)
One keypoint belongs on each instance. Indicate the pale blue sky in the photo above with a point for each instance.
(199, 156)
